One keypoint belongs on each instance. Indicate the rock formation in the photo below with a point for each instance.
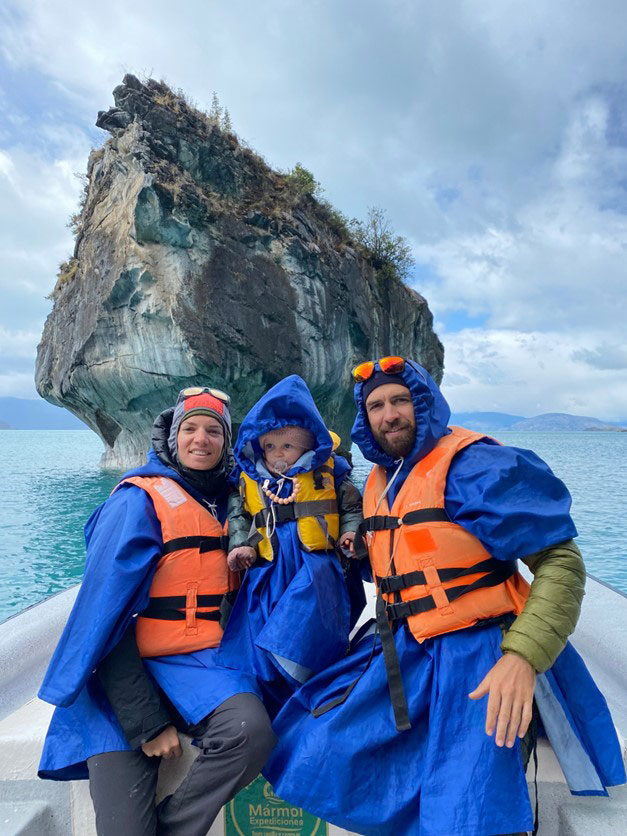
(197, 263)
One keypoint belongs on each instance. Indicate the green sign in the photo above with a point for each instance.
(257, 811)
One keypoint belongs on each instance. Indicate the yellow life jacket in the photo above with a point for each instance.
(315, 511)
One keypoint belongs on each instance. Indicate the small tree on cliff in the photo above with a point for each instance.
(226, 123)
(301, 181)
(215, 113)
(389, 254)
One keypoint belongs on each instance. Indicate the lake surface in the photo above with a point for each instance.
(51, 482)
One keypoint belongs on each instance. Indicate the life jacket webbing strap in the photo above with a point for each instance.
(318, 476)
(394, 583)
(333, 544)
(180, 615)
(404, 609)
(213, 600)
(172, 607)
(386, 522)
(423, 515)
(197, 541)
(296, 511)
(254, 537)
(374, 523)
(392, 667)
(536, 819)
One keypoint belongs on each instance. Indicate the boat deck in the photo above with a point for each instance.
(31, 807)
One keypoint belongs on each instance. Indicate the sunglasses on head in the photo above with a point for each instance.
(205, 390)
(388, 365)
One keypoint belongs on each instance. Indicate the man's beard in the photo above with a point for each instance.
(399, 445)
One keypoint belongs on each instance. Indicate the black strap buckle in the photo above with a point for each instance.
(282, 514)
(401, 609)
(378, 522)
(394, 583)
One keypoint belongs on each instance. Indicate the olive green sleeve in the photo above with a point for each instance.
(552, 609)
(239, 521)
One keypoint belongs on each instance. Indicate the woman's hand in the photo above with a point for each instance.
(510, 685)
(347, 541)
(164, 745)
(241, 557)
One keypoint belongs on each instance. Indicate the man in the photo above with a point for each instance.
(396, 739)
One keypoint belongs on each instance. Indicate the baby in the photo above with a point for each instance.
(280, 450)
(295, 510)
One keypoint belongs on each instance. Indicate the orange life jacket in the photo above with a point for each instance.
(192, 578)
(430, 570)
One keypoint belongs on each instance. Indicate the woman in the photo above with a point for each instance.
(156, 550)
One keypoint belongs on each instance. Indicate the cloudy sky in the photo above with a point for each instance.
(493, 132)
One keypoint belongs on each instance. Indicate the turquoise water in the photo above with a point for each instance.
(51, 481)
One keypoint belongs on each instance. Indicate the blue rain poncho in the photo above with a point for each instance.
(124, 544)
(293, 615)
(444, 775)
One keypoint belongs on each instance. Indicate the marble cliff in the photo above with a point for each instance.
(195, 262)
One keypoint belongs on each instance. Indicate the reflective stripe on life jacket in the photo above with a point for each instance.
(192, 578)
(430, 570)
(315, 511)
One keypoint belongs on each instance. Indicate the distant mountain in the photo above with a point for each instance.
(484, 421)
(549, 422)
(36, 414)
(561, 421)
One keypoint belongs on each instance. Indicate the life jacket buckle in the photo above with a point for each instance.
(399, 610)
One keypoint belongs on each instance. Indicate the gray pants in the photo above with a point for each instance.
(236, 740)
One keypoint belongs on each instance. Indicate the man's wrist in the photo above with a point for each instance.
(512, 645)
(520, 656)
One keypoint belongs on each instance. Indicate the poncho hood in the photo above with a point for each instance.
(430, 408)
(288, 403)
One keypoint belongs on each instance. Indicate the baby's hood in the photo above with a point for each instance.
(288, 403)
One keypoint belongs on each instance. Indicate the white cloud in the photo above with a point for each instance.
(490, 130)
(17, 385)
(557, 262)
(528, 373)
(603, 356)
(550, 279)
(18, 343)
(36, 198)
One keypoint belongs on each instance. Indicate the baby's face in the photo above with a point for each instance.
(280, 455)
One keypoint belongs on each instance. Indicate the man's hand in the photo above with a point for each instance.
(165, 745)
(510, 685)
(241, 557)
